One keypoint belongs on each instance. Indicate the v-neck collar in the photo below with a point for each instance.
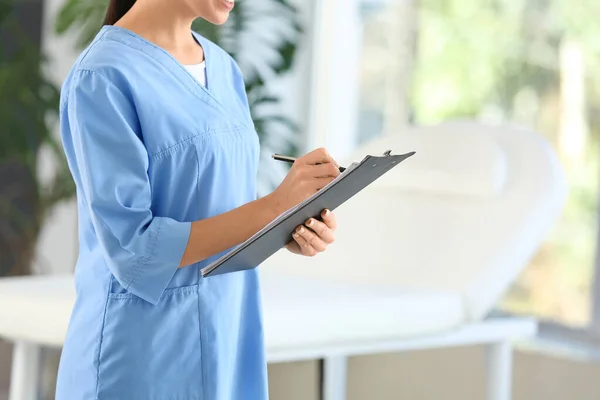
(171, 63)
(202, 43)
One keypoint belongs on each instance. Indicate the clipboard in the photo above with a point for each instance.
(266, 242)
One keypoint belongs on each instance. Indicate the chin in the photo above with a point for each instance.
(217, 11)
(218, 18)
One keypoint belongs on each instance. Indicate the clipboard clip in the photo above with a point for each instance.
(387, 153)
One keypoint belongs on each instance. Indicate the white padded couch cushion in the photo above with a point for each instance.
(303, 312)
(36, 308)
(297, 311)
(473, 246)
(470, 164)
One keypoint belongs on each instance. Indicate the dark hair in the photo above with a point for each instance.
(116, 10)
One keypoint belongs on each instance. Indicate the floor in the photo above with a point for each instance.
(451, 374)
(5, 358)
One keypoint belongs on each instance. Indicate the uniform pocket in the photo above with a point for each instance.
(151, 352)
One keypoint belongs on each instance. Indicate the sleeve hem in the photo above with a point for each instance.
(156, 270)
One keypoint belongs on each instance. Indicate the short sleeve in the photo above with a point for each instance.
(143, 251)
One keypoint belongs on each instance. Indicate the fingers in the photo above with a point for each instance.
(324, 170)
(309, 241)
(320, 165)
(303, 245)
(319, 176)
(314, 237)
(321, 230)
(315, 183)
(329, 219)
(293, 247)
(318, 156)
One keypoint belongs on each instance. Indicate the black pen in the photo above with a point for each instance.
(289, 159)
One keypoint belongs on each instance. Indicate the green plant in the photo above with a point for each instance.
(29, 105)
(477, 54)
(261, 36)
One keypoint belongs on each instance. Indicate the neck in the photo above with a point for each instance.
(160, 22)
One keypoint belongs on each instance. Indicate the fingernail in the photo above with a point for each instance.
(300, 230)
(311, 222)
(296, 235)
(326, 213)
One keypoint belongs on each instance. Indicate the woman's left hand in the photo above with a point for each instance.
(314, 236)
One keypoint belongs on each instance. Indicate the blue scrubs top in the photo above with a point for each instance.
(151, 150)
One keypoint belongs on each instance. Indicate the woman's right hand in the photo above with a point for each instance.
(308, 174)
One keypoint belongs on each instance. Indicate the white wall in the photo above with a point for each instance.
(354, 62)
(335, 71)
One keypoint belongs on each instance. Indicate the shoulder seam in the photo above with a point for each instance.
(78, 68)
(90, 47)
(78, 72)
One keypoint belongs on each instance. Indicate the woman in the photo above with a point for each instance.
(158, 135)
